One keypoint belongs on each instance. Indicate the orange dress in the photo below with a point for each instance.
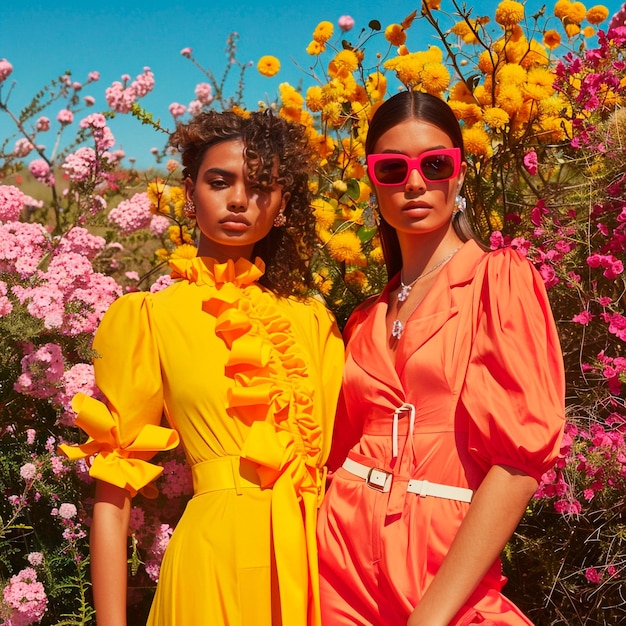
(249, 384)
(479, 375)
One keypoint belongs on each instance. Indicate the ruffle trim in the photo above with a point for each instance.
(207, 271)
(124, 466)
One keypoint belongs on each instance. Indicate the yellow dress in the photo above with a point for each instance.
(248, 382)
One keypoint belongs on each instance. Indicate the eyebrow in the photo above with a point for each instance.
(217, 170)
(432, 149)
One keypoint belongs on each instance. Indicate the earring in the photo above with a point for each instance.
(460, 205)
(280, 220)
(189, 209)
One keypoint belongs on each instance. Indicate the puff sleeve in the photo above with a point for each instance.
(124, 430)
(515, 386)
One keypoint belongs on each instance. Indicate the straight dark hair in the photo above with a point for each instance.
(424, 107)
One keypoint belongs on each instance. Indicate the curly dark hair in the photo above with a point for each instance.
(268, 140)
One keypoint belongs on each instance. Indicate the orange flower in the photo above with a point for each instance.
(395, 35)
(268, 65)
(323, 32)
(509, 13)
(551, 39)
(597, 14)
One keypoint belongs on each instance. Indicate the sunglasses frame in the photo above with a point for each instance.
(414, 164)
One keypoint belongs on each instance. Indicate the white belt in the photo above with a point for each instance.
(380, 480)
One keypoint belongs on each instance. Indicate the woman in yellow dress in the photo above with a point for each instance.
(246, 371)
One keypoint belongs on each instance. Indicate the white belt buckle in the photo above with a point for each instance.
(378, 479)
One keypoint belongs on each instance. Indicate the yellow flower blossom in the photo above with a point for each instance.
(588, 31)
(561, 8)
(323, 32)
(376, 86)
(511, 74)
(365, 192)
(482, 93)
(315, 48)
(184, 251)
(343, 63)
(533, 91)
(551, 39)
(476, 141)
(509, 98)
(435, 78)
(314, 98)
(345, 247)
(536, 54)
(542, 77)
(460, 92)
(554, 106)
(509, 13)
(576, 12)
(290, 98)
(179, 235)
(358, 279)
(323, 281)
(324, 212)
(268, 65)
(237, 110)
(402, 50)
(353, 149)
(332, 113)
(377, 256)
(162, 254)
(159, 195)
(571, 30)
(177, 199)
(395, 34)
(487, 61)
(433, 5)
(469, 113)
(496, 118)
(360, 96)
(597, 14)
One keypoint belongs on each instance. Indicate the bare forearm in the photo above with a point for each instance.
(109, 558)
(496, 509)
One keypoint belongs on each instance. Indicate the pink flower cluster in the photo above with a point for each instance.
(5, 69)
(42, 369)
(80, 165)
(22, 246)
(40, 169)
(26, 597)
(13, 201)
(132, 214)
(121, 97)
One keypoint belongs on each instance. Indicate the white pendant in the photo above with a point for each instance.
(397, 329)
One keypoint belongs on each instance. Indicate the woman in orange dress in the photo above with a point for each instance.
(452, 403)
(246, 371)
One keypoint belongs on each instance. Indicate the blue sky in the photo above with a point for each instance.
(43, 39)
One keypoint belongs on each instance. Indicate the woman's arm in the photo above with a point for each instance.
(496, 509)
(109, 553)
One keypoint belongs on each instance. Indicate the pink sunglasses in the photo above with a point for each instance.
(394, 169)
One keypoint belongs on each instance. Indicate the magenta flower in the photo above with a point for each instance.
(530, 162)
(592, 575)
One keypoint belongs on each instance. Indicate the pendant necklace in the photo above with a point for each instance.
(397, 327)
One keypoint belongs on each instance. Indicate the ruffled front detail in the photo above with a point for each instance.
(273, 396)
(207, 271)
(126, 467)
